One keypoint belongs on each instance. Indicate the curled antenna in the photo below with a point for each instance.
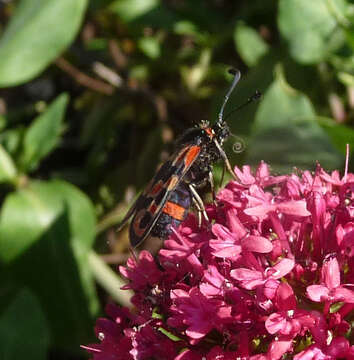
(237, 76)
(256, 96)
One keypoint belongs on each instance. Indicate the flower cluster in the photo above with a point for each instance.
(270, 275)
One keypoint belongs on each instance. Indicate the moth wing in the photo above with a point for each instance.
(128, 215)
(151, 202)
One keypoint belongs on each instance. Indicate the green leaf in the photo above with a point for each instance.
(49, 228)
(142, 13)
(346, 79)
(286, 133)
(185, 27)
(250, 46)
(39, 31)
(339, 134)
(43, 134)
(129, 10)
(150, 46)
(23, 329)
(11, 140)
(194, 75)
(307, 26)
(7, 167)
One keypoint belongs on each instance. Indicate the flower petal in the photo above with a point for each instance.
(317, 293)
(258, 244)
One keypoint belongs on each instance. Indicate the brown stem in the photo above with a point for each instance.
(83, 79)
(118, 56)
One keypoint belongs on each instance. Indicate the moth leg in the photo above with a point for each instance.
(198, 199)
(226, 160)
(199, 211)
(212, 185)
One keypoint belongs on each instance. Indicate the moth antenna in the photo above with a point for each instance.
(256, 96)
(237, 76)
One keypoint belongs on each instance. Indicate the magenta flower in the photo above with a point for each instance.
(197, 313)
(270, 277)
(252, 278)
(289, 320)
(148, 343)
(142, 273)
(330, 290)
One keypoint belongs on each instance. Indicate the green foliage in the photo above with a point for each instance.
(130, 10)
(307, 26)
(38, 32)
(289, 117)
(7, 166)
(30, 340)
(249, 44)
(51, 225)
(93, 95)
(43, 135)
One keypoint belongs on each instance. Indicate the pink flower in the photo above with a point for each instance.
(229, 245)
(142, 273)
(150, 343)
(289, 320)
(270, 277)
(251, 278)
(214, 283)
(197, 312)
(262, 177)
(338, 348)
(180, 252)
(330, 290)
(114, 344)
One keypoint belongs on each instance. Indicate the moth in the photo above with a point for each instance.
(166, 200)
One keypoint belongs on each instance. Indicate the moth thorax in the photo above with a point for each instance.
(222, 131)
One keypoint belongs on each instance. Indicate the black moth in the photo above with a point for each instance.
(166, 200)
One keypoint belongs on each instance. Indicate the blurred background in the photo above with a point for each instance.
(93, 95)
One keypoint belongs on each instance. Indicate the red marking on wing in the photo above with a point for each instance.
(180, 156)
(174, 210)
(136, 223)
(156, 189)
(191, 155)
(152, 208)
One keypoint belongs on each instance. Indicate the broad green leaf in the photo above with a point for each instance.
(286, 133)
(38, 32)
(250, 46)
(341, 135)
(43, 134)
(48, 228)
(7, 166)
(23, 329)
(308, 26)
(129, 10)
